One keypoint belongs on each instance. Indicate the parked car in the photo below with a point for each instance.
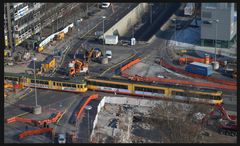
(105, 5)
(109, 54)
(62, 138)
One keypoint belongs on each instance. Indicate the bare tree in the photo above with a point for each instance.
(175, 122)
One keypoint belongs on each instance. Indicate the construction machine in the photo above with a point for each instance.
(226, 124)
(7, 53)
(94, 54)
(77, 66)
(48, 64)
(60, 36)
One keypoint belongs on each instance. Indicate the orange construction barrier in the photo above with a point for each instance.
(205, 60)
(130, 64)
(173, 81)
(53, 120)
(18, 119)
(92, 97)
(35, 132)
(25, 120)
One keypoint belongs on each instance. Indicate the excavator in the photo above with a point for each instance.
(94, 54)
(77, 66)
(226, 124)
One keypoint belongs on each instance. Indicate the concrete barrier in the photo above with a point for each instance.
(128, 21)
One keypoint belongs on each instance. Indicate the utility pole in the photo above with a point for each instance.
(215, 58)
(88, 108)
(103, 17)
(37, 109)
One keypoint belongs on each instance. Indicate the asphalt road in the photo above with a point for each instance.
(92, 25)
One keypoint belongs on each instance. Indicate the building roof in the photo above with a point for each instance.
(200, 64)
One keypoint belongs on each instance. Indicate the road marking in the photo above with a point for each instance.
(25, 94)
(65, 111)
(22, 114)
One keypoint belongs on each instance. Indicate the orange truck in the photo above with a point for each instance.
(183, 60)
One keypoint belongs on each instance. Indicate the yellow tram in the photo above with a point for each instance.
(121, 86)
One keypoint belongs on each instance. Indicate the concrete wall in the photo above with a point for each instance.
(127, 22)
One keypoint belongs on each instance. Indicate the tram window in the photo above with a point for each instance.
(43, 82)
(209, 97)
(158, 91)
(217, 97)
(54, 83)
(139, 88)
(178, 93)
(92, 83)
(66, 85)
(32, 81)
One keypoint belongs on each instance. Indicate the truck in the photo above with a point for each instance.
(111, 39)
(189, 9)
(199, 68)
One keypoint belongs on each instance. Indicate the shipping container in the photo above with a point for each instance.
(199, 68)
(111, 39)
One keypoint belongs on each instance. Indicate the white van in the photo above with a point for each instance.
(109, 54)
(105, 5)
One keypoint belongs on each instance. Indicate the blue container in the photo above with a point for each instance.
(199, 68)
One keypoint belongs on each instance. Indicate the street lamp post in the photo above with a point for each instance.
(78, 24)
(103, 17)
(88, 108)
(34, 59)
(215, 58)
(210, 22)
(37, 109)
(175, 22)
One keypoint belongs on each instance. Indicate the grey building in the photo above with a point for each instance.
(223, 30)
(24, 20)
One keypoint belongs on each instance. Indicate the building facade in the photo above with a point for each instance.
(23, 20)
(219, 24)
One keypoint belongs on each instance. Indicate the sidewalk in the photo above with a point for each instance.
(12, 99)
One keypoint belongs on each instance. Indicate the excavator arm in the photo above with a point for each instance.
(79, 65)
(90, 55)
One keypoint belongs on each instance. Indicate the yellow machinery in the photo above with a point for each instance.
(40, 49)
(90, 55)
(94, 54)
(49, 64)
(7, 85)
(7, 53)
(60, 36)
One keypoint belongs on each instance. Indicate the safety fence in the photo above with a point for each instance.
(173, 81)
(92, 97)
(35, 132)
(181, 71)
(35, 122)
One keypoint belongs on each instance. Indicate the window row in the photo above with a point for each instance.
(107, 85)
(150, 90)
(196, 95)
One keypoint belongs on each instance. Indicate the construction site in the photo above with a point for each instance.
(119, 73)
